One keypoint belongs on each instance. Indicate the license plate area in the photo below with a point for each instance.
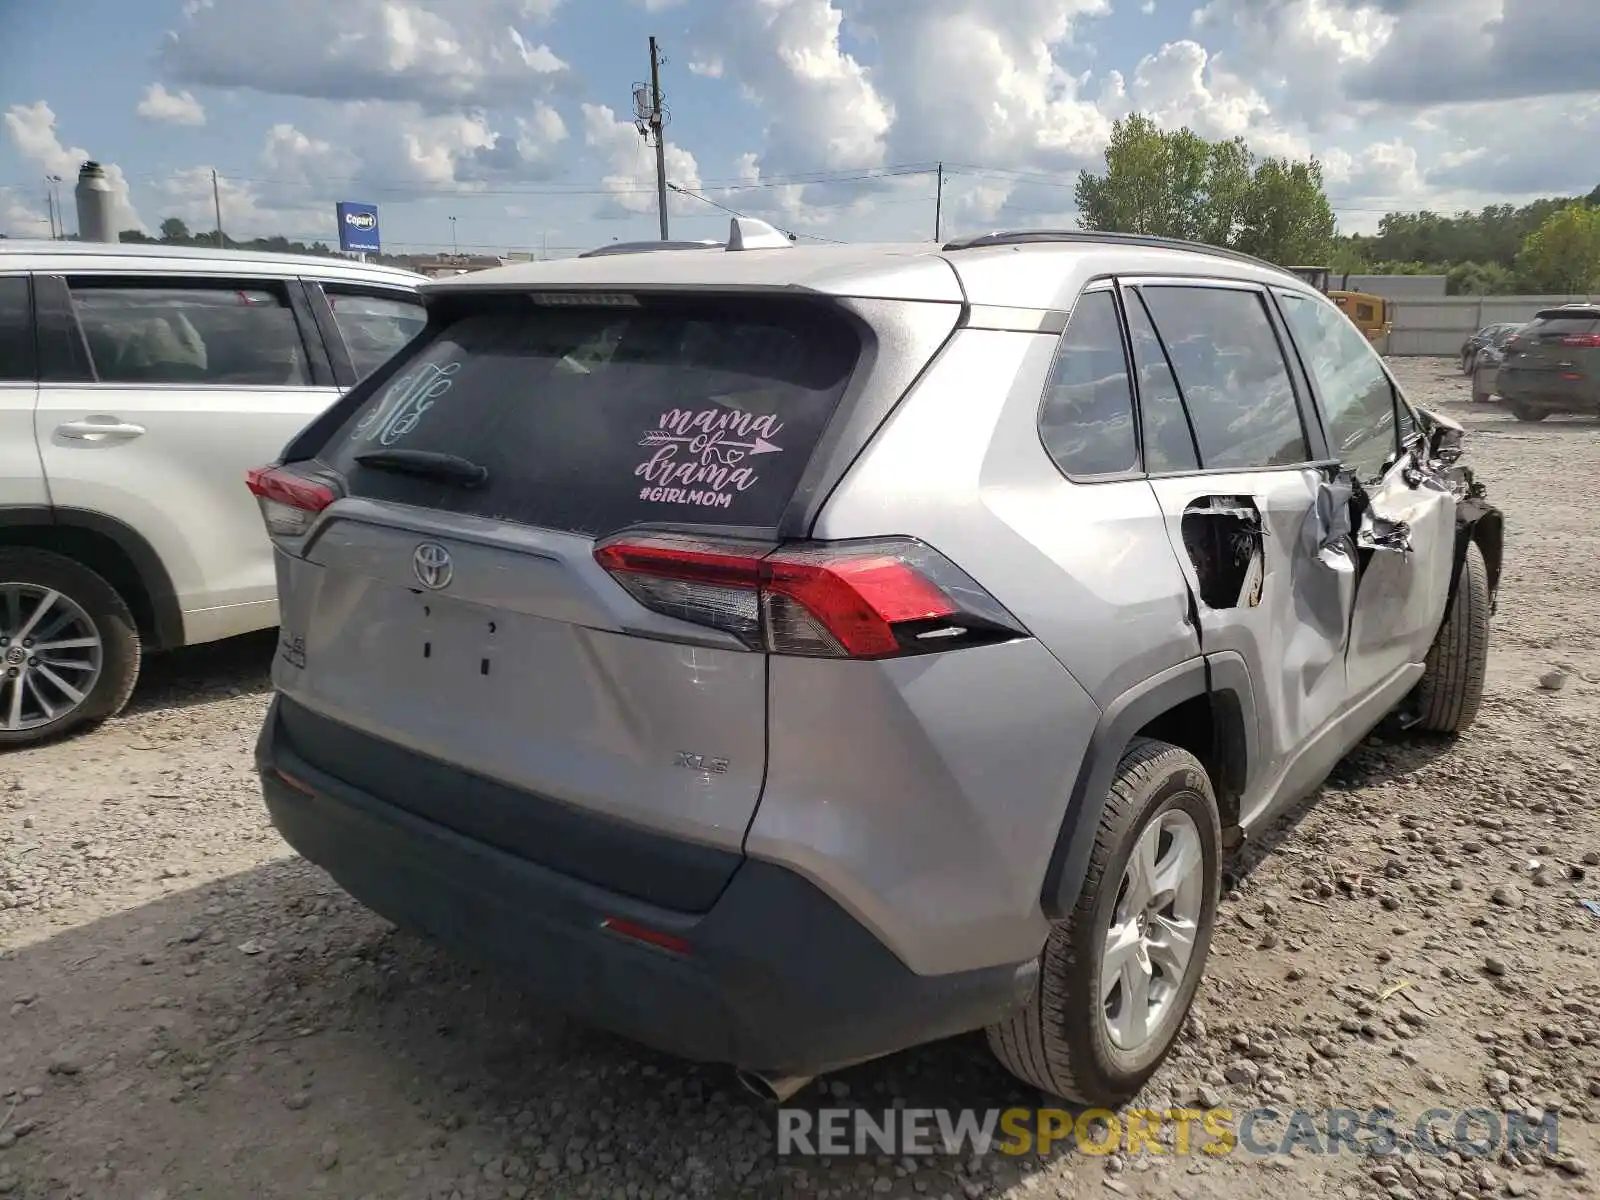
(457, 641)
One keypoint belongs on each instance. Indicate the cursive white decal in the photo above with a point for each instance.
(403, 404)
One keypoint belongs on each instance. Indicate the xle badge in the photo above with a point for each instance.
(700, 762)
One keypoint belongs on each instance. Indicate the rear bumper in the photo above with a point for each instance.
(1547, 390)
(777, 978)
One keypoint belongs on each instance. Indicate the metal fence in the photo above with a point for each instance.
(1439, 325)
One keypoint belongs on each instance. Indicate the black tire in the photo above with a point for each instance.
(1058, 1041)
(1451, 691)
(1523, 413)
(120, 649)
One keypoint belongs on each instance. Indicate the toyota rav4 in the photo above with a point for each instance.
(787, 655)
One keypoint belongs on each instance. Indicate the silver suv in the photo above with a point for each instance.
(787, 655)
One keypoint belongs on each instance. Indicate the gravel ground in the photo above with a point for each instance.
(186, 1010)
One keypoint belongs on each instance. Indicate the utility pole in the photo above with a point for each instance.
(455, 245)
(938, 205)
(58, 220)
(650, 119)
(216, 200)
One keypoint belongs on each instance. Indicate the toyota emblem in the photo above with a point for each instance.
(432, 566)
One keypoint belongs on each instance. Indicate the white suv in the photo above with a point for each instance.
(137, 384)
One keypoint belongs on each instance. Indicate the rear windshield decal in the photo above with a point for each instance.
(402, 406)
(703, 456)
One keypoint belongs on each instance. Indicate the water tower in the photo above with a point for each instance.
(97, 205)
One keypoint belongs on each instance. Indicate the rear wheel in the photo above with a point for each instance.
(1523, 413)
(1118, 975)
(69, 650)
(1451, 690)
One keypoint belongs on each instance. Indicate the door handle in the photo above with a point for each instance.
(105, 430)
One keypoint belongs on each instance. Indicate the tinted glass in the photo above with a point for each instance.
(1086, 421)
(375, 328)
(16, 330)
(1551, 327)
(191, 335)
(590, 419)
(1168, 442)
(1357, 397)
(1232, 375)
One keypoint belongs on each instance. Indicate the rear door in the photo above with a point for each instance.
(176, 388)
(21, 474)
(471, 622)
(1254, 522)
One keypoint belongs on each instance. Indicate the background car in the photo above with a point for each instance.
(1487, 358)
(1487, 336)
(1552, 364)
(137, 382)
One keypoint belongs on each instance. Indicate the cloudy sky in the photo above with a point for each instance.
(824, 116)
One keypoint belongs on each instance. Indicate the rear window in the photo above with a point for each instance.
(1553, 326)
(589, 419)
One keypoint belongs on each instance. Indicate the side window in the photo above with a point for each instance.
(16, 331)
(1231, 373)
(1357, 397)
(1086, 421)
(1168, 440)
(375, 327)
(199, 334)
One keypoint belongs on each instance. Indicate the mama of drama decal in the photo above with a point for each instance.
(704, 457)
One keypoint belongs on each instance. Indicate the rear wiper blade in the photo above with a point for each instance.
(428, 464)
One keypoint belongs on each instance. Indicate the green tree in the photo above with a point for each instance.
(1563, 254)
(1288, 219)
(174, 230)
(1479, 279)
(1178, 184)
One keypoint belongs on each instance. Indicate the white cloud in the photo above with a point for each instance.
(172, 108)
(32, 128)
(19, 218)
(427, 51)
(629, 167)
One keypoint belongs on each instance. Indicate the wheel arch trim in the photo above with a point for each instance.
(1223, 677)
(166, 614)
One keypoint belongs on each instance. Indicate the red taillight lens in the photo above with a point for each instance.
(878, 599)
(1588, 341)
(289, 501)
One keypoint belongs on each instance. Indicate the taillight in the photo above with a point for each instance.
(289, 501)
(1589, 341)
(869, 599)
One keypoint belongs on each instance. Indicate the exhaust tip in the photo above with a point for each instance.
(773, 1088)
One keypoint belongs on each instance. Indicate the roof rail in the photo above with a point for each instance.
(1023, 237)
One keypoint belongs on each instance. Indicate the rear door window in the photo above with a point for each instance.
(1086, 421)
(240, 334)
(375, 327)
(589, 419)
(1232, 375)
(1168, 440)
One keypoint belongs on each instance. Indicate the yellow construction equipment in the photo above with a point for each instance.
(1367, 312)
